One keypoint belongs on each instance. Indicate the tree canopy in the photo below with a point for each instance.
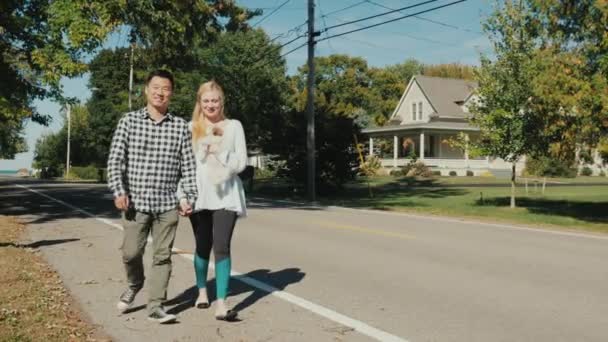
(42, 41)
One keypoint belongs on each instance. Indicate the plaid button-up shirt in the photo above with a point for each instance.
(148, 159)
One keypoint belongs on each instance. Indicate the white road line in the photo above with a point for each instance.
(337, 317)
(442, 219)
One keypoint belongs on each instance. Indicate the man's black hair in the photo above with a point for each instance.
(161, 73)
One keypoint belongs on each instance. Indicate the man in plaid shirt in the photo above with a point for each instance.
(151, 153)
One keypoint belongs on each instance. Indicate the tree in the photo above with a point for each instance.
(387, 86)
(341, 98)
(246, 64)
(36, 50)
(509, 129)
(42, 41)
(450, 70)
(51, 149)
(251, 71)
(109, 80)
(574, 83)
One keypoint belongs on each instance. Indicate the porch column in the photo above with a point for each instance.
(421, 145)
(439, 137)
(466, 150)
(371, 146)
(395, 150)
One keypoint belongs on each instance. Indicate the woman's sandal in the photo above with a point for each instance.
(201, 305)
(230, 316)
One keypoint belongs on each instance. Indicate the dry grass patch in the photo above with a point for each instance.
(34, 304)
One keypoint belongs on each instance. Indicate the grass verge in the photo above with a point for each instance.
(574, 207)
(34, 304)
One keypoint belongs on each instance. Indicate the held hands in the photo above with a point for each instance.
(121, 202)
(185, 209)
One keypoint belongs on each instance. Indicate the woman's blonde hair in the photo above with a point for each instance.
(199, 127)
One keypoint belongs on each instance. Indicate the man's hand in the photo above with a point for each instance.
(122, 202)
(185, 209)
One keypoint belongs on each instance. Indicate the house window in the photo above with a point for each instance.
(419, 110)
(414, 111)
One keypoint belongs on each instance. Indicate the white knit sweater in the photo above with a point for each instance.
(217, 180)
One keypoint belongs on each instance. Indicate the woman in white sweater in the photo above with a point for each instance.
(221, 153)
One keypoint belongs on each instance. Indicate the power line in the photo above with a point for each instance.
(448, 25)
(293, 50)
(363, 42)
(356, 30)
(344, 9)
(426, 19)
(298, 28)
(413, 37)
(283, 55)
(382, 14)
(280, 47)
(277, 48)
(271, 13)
(295, 29)
(391, 20)
(325, 26)
(367, 27)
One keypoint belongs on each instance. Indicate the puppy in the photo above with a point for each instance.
(210, 146)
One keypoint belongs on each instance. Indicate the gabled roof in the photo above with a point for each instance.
(444, 93)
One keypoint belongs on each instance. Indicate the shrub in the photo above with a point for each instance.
(50, 171)
(470, 173)
(416, 169)
(85, 172)
(395, 172)
(549, 167)
(486, 174)
(602, 173)
(264, 173)
(453, 173)
(370, 167)
(436, 173)
(586, 171)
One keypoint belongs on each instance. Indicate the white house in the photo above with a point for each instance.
(431, 111)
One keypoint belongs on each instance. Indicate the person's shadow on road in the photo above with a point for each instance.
(260, 283)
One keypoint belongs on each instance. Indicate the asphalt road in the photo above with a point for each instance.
(333, 274)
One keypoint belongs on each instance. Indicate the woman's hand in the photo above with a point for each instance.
(185, 209)
(217, 131)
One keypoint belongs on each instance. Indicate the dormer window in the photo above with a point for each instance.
(414, 111)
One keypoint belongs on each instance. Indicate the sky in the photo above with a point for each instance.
(447, 35)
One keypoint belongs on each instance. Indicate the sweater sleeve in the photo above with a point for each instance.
(235, 160)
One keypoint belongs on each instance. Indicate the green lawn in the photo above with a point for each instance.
(493, 180)
(576, 206)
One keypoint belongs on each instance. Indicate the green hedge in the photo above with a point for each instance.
(90, 172)
(549, 167)
(586, 171)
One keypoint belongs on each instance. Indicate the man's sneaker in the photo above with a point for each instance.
(159, 315)
(127, 298)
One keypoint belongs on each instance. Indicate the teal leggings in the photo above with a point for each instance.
(213, 229)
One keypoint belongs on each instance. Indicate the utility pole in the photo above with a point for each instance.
(131, 72)
(310, 110)
(67, 163)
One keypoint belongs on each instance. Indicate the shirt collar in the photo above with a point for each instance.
(143, 113)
